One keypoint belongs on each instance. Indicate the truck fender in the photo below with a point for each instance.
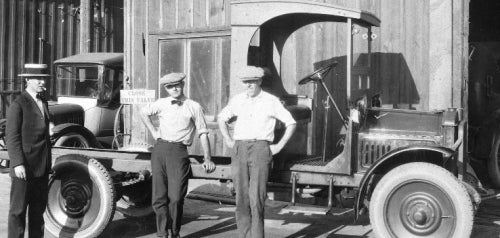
(387, 159)
(62, 129)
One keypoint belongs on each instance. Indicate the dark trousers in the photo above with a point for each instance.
(170, 166)
(27, 196)
(250, 170)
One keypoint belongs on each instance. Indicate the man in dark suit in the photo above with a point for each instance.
(28, 145)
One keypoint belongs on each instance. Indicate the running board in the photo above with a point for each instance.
(305, 210)
(316, 210)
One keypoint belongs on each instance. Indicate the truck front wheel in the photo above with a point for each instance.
(72, 139)
(81, 198)
(420, 200)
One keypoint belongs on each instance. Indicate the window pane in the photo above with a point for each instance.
(171, 59)
(202, 74)
(77, 81)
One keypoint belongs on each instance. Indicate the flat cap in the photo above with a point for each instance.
(35, 70)
(250, 73)
(172, 78)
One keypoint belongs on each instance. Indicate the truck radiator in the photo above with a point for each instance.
(372, 147)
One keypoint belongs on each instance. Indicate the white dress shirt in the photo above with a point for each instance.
(256, 116)
(178, 123)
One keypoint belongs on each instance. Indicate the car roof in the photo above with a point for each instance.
(93, 58)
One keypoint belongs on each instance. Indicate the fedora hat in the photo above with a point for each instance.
(35, 70)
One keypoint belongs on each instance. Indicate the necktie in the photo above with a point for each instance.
(178, 102)
(40, 96)
(39, 102)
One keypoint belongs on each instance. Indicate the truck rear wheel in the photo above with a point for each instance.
(81, 198)
(420, 200)
(72, 139)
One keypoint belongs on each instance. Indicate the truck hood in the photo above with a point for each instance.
(66, 113)
(85, 103)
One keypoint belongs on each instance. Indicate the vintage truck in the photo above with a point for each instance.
(406, 167)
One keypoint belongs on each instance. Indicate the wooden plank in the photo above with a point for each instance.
(85, 26)
(460, 42)
(185, 14)
(440, 58)
(200, 18)
(217, 13)
(3, 36)
(31, 36)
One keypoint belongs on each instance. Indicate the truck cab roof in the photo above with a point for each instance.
(93, 58)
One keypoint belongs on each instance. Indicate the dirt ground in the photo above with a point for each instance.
(208, 219)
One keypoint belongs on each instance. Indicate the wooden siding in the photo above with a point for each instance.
(416, 62)
(41, 31)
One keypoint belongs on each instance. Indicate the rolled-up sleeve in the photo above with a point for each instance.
(282, 114)
(199, 120)
(227, 112)
(151, 109)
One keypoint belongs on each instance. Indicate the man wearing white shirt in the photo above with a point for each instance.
(180, 119)
(256, 112)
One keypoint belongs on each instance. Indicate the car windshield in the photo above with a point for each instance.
(77, 81)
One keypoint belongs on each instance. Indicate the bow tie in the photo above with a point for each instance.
(40, 96)
(178, 102)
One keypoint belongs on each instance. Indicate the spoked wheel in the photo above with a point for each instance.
(494, 160)
(81, 198)
(72, 140)
(420, 200)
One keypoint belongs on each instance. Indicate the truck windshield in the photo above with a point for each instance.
(77, 81)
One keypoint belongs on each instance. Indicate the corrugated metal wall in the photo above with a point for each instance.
(41, 31)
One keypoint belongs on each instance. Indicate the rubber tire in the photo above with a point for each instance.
(493, 161)
(435, 178)
(72, 136)
(101, 203)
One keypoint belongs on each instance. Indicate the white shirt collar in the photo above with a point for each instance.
(33, 95)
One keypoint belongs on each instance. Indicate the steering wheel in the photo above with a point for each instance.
(319, 73)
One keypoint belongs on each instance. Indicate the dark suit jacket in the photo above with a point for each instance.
(27, 136)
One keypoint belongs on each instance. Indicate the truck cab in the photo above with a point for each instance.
(87, 88)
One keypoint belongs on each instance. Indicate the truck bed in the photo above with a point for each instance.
(135, 161)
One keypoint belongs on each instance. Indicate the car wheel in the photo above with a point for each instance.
(72, 139)
(420, 200)
(81, 198)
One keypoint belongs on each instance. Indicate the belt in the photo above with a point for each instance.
(253, 140)
(171, 142)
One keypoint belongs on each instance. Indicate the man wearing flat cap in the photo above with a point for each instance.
(179, 118)
(256, 112)
(28, 140)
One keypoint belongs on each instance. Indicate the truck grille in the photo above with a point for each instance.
(372, 146)
(68, 118)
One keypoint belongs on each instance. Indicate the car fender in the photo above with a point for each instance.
(65, 128)
(387, 159)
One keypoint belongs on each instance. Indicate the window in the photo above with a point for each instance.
(79, 81)
(205, 61)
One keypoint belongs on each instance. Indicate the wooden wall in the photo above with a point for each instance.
(41, 31)
(419, 56)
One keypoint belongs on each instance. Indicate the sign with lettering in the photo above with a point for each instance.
(137, 96)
